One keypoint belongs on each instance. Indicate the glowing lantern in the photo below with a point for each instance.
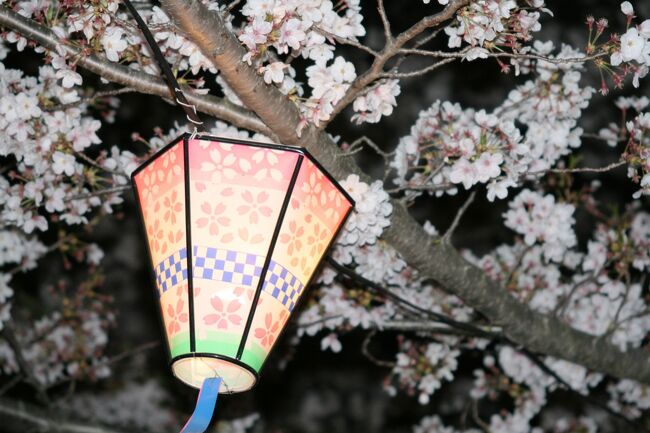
(235, 232)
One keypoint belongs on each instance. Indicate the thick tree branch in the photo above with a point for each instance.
(539, 333)
(19, 416)
(140, 81)
(392, 48)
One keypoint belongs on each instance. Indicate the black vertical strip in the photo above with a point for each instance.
(143, 226)
(168, 75)
(311, 278)
(269, 254)
(188, 241)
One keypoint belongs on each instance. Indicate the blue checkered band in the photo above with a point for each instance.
(282, 285)
(232, 267)
(224, 265)
(171, 271)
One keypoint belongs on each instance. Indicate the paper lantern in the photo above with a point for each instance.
(235, 232)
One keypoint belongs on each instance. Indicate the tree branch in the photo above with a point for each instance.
(20, 417)
(538, 332)
(140, 81)
(518, 56)
(24, 366)
(390, 50)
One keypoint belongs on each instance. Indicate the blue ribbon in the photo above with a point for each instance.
(205, 404)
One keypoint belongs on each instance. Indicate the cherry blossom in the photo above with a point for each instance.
(370, 215)
(62, 178)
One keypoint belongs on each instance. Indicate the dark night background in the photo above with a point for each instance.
(321, 391)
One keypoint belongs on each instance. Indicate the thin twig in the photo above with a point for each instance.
(388, 52)
(98, 193)
(366, 352)
(417, 73)
(115, 359)
(318, 322)
(94, 163)
(27, 370)
(509, 279)
(388, 34)
(359, 141)
(608, 167)
(89, 99)
(15, 380)
(233, 4)
(446, 238)
(477, 419)
(561, 306)
(441, 318)
(345, 41)
(462, 54)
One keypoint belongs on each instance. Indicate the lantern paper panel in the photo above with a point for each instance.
(161, 192)
(246, 211)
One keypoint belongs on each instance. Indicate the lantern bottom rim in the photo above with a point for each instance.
(193, 368)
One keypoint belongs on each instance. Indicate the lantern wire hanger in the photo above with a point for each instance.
(174, 88)
(207, 400)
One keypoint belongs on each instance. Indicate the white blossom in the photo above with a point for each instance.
(371, 212)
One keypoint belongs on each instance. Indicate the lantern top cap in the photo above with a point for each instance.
(185, 137)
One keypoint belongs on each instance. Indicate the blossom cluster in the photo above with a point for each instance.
(61, 347)
(590, 300)
(309, 29)
(376, 102)
(633, 48)
(329, 85)
(51, 180)
(292, 25)
(370, 215)
(540, 219)
(638, 152)
(496, 23)
(421, 368)
(449, 146)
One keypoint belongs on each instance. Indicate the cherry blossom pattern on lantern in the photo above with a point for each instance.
(173, 207)
(176, 315)
(156, 236)
(267, 334)
(170, 166)
(266, 161)
(225, 313)
(223, 163)
(255, 206)
(212, 218)
(294, 241)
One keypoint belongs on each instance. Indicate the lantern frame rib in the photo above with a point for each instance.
(301, 300)
(152, 273)
(236, 360)
(269, 255)
(188, 243)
